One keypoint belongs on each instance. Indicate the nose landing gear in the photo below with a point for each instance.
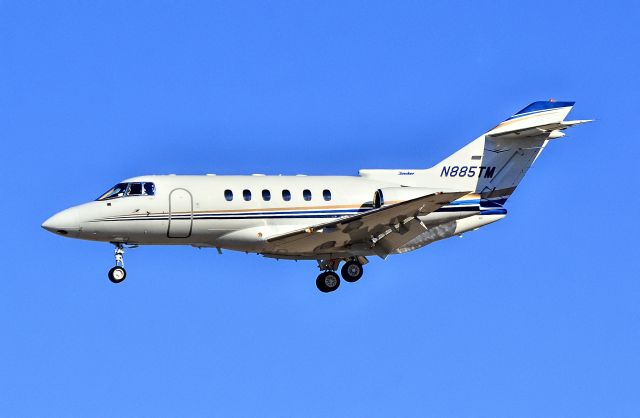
(117, 274)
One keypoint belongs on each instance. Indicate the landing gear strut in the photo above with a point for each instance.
(117, 274)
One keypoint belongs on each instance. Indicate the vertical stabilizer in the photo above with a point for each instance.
(493, 164)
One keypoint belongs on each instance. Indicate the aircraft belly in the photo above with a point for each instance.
(251, 235)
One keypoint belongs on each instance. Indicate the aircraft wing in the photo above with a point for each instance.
(380, 230)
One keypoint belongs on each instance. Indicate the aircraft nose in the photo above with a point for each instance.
(66, 222)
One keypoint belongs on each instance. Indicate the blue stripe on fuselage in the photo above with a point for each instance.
(470, 205)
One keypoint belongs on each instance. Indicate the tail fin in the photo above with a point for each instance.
(494, 164)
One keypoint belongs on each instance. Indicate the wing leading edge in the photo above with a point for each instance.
(380, 231)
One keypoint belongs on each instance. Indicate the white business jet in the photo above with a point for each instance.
(330, 219)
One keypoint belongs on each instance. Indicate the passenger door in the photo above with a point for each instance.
(180, 214)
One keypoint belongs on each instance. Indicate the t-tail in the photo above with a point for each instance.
(493, 164)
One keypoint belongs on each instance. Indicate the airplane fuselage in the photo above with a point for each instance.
(231, 212)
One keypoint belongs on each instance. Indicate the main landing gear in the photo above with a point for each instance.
(328, 280)
(352, 271)
(117, 274)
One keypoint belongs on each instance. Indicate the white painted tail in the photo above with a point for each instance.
(493, 164)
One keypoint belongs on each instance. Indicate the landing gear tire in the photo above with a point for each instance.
(351, 271)
(117, 274)
(328, 281)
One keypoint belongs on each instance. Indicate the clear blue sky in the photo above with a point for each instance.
(537, 315)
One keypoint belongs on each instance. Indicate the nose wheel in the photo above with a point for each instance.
(117, 274)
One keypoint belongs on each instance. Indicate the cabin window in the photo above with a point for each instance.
(326, 194)
(266, 195)
(286, 195)
(228, 195)
(246, 194)
(306, 194)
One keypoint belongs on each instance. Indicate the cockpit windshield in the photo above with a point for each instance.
(129, 189)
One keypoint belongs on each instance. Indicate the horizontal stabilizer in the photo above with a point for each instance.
(536, 119)
(538, 130)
